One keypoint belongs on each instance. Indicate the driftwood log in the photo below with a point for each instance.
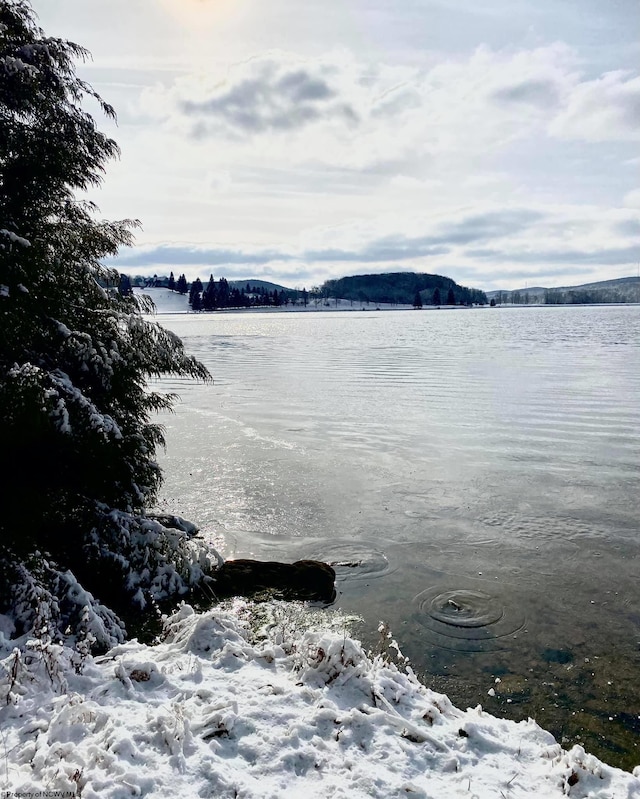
(304, 579)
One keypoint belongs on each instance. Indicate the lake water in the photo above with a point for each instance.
(474, 474)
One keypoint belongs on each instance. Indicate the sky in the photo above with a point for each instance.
(492, 141)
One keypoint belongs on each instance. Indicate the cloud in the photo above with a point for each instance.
(632, 198)
(604, 109)
(189, 255)
(629, 227)
(578, 241)
(268, 94)
(490, 225)
(335, 111)
(603, 256)
(368, 245)
(542, 93)
(395, 248)
(477, 275)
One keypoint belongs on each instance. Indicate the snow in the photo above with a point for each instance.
(264, 701)
(166, 301)
(13, 65)
(9, 234)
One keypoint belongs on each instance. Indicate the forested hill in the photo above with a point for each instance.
(618, 290)
(401, 287)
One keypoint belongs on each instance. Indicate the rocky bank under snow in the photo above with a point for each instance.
(245, 702)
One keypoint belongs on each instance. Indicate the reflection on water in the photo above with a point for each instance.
(472, 474)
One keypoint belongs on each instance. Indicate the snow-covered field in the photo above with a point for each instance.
(254, 702)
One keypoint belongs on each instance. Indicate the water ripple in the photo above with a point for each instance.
(354, 560)
(468, 620)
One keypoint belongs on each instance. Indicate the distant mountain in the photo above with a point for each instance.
(258, 284)
(622, 289)
(401, 288)
(162, 281)
(607, 284)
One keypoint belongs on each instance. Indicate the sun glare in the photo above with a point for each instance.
(200, 14)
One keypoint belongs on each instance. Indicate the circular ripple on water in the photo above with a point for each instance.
(468, 620)
(354, 560)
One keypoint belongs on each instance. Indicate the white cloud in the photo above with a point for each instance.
(351, 114)
(264, 95)
(605, 109)
(632, 199)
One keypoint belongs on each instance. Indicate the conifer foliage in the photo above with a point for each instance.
(76, 438)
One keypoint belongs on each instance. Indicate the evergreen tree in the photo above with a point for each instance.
(209, 295)
(195, 294)
(125, 286)
(436, 297)
(77, 439)
(171, 285)
(451, 297)
(417, 300)
(223, 293)
(181, 285)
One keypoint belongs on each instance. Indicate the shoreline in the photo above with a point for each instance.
(272, 700)
(170, 302)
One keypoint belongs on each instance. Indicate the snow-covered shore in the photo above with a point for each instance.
(234, 704)
(171, 302)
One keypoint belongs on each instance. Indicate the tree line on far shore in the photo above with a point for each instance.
(222, 293)
(619, 290)
(398, 288)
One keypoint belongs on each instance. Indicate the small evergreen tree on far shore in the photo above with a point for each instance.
(182, 286)
(195, 294)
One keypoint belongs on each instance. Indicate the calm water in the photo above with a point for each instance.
(472, 474)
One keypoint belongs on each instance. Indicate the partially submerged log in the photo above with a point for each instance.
(304, 579)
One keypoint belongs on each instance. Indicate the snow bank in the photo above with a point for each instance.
(221, 709)
(166, 301)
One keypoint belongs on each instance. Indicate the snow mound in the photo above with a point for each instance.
(216, 710)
